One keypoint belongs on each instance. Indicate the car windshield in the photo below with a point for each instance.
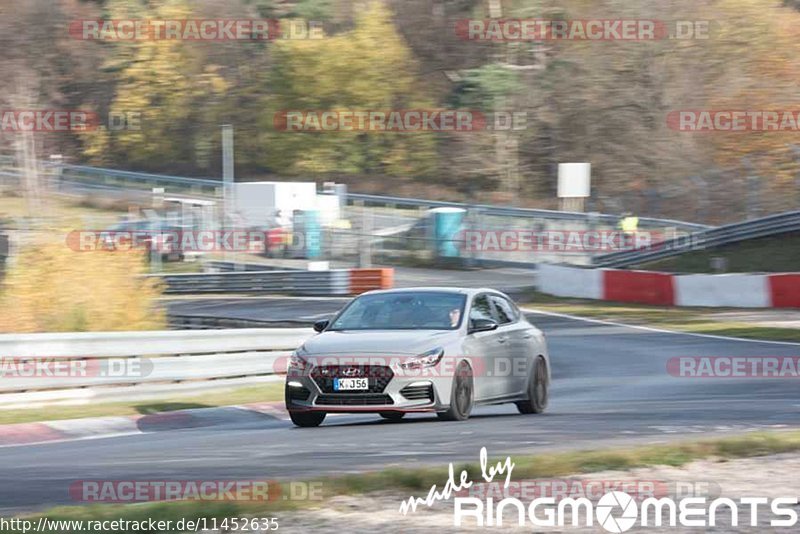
(403, 311)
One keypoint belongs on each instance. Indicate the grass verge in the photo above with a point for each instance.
(776, 254)
(421, 479)
(694, 320)
(267, 392)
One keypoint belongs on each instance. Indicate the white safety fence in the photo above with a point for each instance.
(36, 363)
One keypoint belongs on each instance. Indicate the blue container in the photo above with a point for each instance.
(307, 223)
(446, 226)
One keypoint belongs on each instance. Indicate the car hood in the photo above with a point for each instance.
(377, 342)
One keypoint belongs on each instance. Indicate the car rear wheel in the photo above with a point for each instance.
(307, 419)
(393, 416)
(462, 395)
(538, 390)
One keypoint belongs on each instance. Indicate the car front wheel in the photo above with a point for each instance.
(462, 395)
(307, 419)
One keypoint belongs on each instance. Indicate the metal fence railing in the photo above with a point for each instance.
(715, 237)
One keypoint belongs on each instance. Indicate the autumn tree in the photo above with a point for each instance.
(366, 69)
(176, 93)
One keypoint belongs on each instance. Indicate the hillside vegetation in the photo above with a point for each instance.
(604, 102)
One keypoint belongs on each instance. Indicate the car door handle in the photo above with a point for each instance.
(528, 336)
(502, 339)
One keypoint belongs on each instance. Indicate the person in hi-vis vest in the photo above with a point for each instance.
(629, 224)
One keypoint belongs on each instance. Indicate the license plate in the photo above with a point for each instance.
(350, 384)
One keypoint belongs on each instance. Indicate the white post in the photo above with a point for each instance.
(227, 178)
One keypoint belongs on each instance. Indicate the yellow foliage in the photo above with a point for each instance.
(760, 45)
(51, 288)
(172, 88)
(369, 68)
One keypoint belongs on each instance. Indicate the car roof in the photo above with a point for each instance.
(469, 291)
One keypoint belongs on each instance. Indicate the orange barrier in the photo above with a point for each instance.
(362, 280)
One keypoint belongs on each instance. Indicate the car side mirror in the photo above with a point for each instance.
(319, 326)
(482, 325)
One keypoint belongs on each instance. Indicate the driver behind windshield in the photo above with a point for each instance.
(455, 316)
(434, 310)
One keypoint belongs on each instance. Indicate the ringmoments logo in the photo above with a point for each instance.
(615, 511)
(606, 507)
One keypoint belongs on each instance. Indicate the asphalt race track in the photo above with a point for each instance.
(294, 311)
(288, 312)
(610, 386)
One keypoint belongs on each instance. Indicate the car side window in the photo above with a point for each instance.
(505, 310)
(481, 309)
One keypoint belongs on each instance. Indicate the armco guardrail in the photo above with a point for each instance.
(724, 235)
(335, 282)
(229, 267)
(148, 357)
(211, 322)
(138, 180)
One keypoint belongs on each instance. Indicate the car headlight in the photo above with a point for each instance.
(426, 359)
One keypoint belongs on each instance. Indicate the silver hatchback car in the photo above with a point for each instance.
(438, 350)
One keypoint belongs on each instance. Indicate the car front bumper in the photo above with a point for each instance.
(311, 392)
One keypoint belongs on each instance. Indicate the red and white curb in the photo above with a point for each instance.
(106, 427)
(666, 289)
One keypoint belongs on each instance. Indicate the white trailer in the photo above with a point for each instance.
(265, 203)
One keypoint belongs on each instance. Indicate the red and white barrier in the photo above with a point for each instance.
(665, 289)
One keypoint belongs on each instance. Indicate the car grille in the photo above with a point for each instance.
(379, 376)
(354, 400)
(418, 392)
